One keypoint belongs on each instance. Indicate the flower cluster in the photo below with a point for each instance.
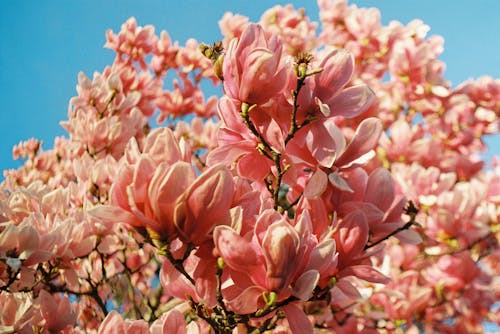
(336, 185)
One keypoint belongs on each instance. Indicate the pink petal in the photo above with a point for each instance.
(142, 175)
(322, 257)
(409, 236)
(236, 251)
(325, 141)
(166, 186)
(280, 248)
(339, 182)
(113, 214)
(352, 101)
(297, 319)
(352, 235)
(112, 324)
(174, 323)
(305, 284)
(367, 273)
(247, 301)
(338, 67)
(365, 139)
(207, 201)
(162, 146)
(380, 189)
(316, 185)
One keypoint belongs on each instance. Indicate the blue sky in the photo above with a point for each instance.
(45, 44)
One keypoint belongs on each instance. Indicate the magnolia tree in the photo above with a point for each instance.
(334, 185)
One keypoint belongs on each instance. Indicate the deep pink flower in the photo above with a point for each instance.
(274, 257)
(204, 205)
(254, 68)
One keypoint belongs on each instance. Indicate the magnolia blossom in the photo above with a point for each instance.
(254, 69)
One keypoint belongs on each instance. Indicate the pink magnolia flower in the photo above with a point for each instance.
(237, 144)
(275, 257)
(323, 144)
(404, 296)
(16, 313)
(56, 312)
(232, 26)
(254, 67)
(173, 322)
(204, 205)
(20, 247)
(183, 100)
(453, 271)
(328, 93)
(132, 41)
(351, 236)
(189, 58)
(165, 54)
(201, 266)
(148, 184)
(115, 324)
(292, 25)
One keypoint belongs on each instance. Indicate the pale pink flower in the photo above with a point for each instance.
(323, 144)
(189, 59)
(254, 67)
(183, 100)
(238, 144)
(404, 296)
(332, 15)
(56, 312)
(173, 322)
(351, 235)
(297, 31)
(148, 184)
(165, 54)
(16, 313)
(329, 94)
(453, 271)
(20, 246)
(133, 42)
(232, 26)
(115, 324)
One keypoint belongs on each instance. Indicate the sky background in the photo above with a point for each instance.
(44, 44)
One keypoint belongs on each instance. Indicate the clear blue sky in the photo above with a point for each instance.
(45, 44)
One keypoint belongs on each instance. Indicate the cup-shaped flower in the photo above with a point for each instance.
(114, 323)
(331, 95)
(205, 204)
(275, 257)
(147, 186)
(56, 312)
(254, 67)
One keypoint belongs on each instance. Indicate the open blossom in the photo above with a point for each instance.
(16, 312)
(56, 312)
(404, 296)
(158, 192)
(254, 68)
(142, 179)
(132, 41)
(274, 257)
(453, 271)
(330, 91)
(232, 26)
(114, 323)
(293, 25)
